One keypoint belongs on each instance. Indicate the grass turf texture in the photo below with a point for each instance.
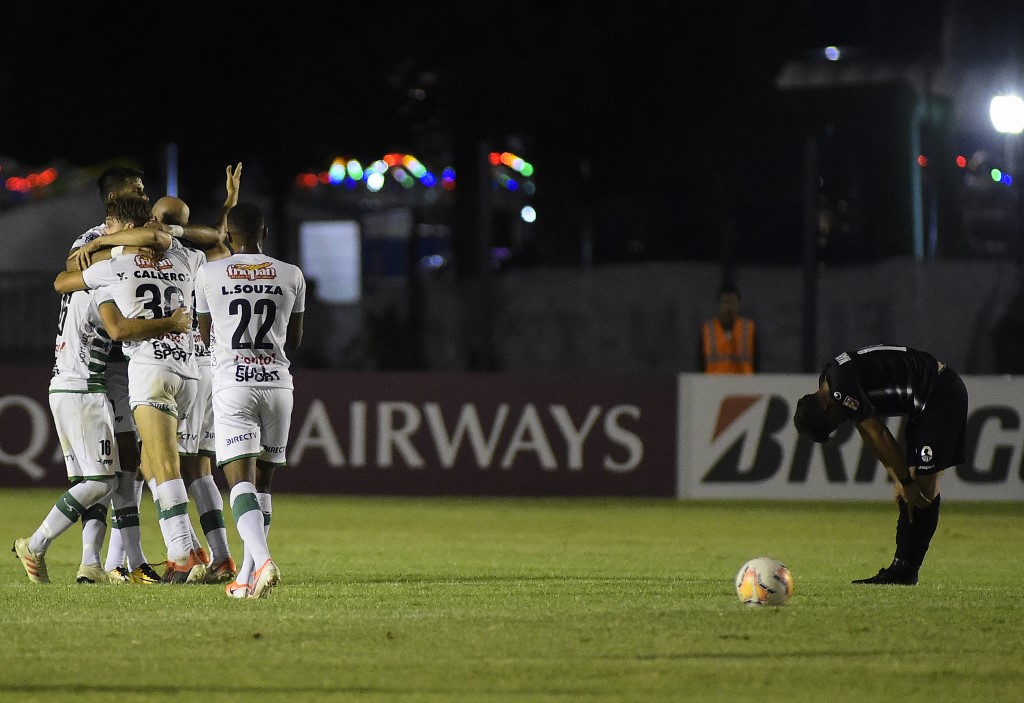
(387, 599)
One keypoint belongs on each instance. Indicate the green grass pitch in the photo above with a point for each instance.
(494, 599)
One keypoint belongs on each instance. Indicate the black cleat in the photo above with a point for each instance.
(893, 575)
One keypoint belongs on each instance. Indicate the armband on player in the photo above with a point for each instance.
(176, 231)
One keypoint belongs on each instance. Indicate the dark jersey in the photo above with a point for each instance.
(883, 379)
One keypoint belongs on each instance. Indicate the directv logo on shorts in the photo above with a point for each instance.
(239, 438)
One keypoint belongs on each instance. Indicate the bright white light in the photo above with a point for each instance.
(832, 53)
(1007, 113)
(375, 181)
(528, 214)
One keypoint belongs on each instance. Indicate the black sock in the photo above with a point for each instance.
(905, 550)
(922, 529)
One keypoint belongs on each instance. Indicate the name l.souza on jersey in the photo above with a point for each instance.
(145, 287)
(250, 299)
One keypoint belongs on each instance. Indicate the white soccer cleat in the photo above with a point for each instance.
(264, 579)
(35, 564)
(91, 573)
(237, 590)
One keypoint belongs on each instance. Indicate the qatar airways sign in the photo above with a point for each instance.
(426, 434)
(484, 434)
(737, 440)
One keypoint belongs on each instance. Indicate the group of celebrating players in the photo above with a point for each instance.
(171, 353)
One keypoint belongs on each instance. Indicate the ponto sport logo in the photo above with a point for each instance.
(926, 454)
(252, 272)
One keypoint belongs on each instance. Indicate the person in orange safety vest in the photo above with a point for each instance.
(728, 342)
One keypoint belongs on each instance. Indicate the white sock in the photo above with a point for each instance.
(210, 506)
(155, 492)
(94, 530)
(174, 516)
(67, 510)
(125, 546)
(115, 550)
(249, 520)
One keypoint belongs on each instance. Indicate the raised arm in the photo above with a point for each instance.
(213, 240)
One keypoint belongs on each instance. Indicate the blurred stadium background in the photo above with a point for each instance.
(845, 169)
(861, 192)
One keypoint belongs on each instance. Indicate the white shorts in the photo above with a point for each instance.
(252, 421)
(85, 428)
(160, 388)
(117, 392)
(200, 421)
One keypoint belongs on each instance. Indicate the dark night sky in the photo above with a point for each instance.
(659, 98)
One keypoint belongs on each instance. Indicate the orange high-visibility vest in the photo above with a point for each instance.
(728, 353)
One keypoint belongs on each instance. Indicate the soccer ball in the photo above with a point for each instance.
(764, 581)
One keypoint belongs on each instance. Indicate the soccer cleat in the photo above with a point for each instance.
(222, 571)
(179, 571)
(264, 579)
(35, 564)
(119, 574)
(896, 574)
(144, 575)
(198, 573)
(91, 573)
(237, 590)
(204, 557)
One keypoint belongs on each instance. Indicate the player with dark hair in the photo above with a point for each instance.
(84, 418)
(196, 468)
(125, 535)
(250, 309)
(881, 381)
(162, 372)
(121, 180)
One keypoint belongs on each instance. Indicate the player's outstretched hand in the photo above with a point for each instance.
(234, 180)
(181, 320)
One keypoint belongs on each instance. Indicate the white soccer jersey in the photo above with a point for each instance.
(81, 348)
(152, 288)
(250, 299)
(88, 236)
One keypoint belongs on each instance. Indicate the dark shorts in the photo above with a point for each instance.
(935, 438)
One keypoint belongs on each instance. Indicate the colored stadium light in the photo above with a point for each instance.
(336, 173)
(1007, 113)
(414, 166)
